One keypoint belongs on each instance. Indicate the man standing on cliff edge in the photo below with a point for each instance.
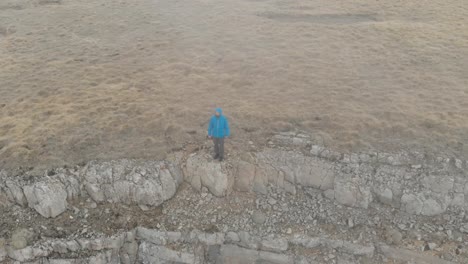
(218, 129)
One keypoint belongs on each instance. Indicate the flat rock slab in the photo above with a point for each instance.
(410, 256)
(231, 254)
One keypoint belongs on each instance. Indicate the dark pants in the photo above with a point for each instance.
(219, 147)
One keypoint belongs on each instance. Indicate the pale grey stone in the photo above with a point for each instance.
(95, 192)
(245, 176)
(329, 194)
(59, 246)
(349, 248)
(114, 242)
(235, 254)
(431, 245)
(411, 203)
(352, 193)
(71, 183)
(258, 218)
(431, 207)
(147, 183)
(105, 257)
(232, 237)
(200, 171)
(158, 237)
(91, 244)
(27, 253)
(73, 246)
(393, 236)
(96, 244)
(48, 197)
(15, 193)
(128, 252)
(307, 242)
(274, 244)
(410, 256)
(316, 150)
(151, 253)
(24, 254)
(248, 241)
(439, 183)
(298, 169)
(3, 251)
(289, 187)
(21, 238)
(385, 196)
(206, 238)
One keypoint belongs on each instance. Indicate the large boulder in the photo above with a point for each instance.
(148, 183)
(48, 197)
(429, 205)
(201, 171)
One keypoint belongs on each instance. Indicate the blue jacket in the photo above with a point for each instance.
(218, 126)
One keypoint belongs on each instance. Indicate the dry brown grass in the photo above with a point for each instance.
(107, 79)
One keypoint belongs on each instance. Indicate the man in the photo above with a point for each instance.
(218, 129)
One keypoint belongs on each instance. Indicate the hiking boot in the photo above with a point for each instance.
(221, 158)
(216, 156)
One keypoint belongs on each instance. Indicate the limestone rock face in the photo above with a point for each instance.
(15, 193)
(147, 183)
(297, 169)
(201, 172)
(48, 197)
(245, 176)
(352, 191)
(150, 253)
(235, 254)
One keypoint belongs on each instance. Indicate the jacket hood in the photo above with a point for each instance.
(219, 110)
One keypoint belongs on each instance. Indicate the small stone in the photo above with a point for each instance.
(289, 231)
(142, 207)
(93, 205)
(73, 245)
(274, 244)
(271, 201)
(393, 236)
(316, 150)
(432, 246)
(258, 218)
(350, 223)
(21, 238)
(59, 247)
